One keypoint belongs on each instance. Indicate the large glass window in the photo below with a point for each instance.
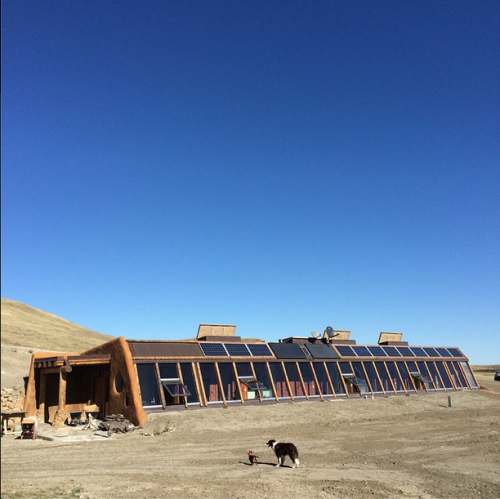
(469, 374)
(229, 383)
(189, 382)
(279, 380)
(434, 375)
(372, 376)
(148, 383)
(294, 378)
(459, 374)
(173, 389)
(360, 379)
(333, 371)
(308, 377)
(421, 381)
(324, 385)
(262, 374)
(384, 376)
(444, 376)
(405, 375)
(391, 367)
(210, 382)
(422, 367)
(251, 386)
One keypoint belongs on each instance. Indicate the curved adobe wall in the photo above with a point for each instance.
(124, 396)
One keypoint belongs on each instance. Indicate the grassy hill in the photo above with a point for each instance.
(25, 326)
(26, 330)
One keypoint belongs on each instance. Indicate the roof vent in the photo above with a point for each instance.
(217, 332)
(338, 336)
(391, 339)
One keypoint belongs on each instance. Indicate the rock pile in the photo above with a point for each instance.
(116, 423)
(12, 398)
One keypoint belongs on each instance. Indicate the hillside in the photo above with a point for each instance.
(26, 326)
(26, 329)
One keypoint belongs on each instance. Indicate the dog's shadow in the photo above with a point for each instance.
(261, 463)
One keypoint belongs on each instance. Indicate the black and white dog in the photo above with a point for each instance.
(285, 449)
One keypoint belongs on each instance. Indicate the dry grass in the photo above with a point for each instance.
(25, 326)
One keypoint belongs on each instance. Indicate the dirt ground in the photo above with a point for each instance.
(397, 447)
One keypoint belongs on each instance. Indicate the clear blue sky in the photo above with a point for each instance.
(279, 165)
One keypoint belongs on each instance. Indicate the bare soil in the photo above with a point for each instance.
(406, 447)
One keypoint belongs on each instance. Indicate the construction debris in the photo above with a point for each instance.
(116, 423)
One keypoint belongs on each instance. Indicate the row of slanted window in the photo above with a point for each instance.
(202, 383)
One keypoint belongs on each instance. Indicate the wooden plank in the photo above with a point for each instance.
(378, 377)
(179, 372)
(367, 378)
(410, 377)
(306, 392)
(238, 384)
(429, 375)
(400, 377)
(329, 379)
(389, 377)
(316, 381)
(342, 380)
(439, 375)
(160, 386)
(273, 387)
(448, 372)
(195, 377)
(202, 385)
(221, 386)
(259, 394)
(287, 380)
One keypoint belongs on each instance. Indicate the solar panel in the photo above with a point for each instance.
(418, 351)
(259, 350)
(361, 351)
(377, 351)
(406, 352)
(237, 350)
(455, 352)
(345, 350)
(213, 349)
(443, 352)
(287, 351)
(322, 351)
(431, 352)
(392, 352)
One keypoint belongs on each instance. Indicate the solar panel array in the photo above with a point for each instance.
(263, 350)
(391, 351)
(235, 350)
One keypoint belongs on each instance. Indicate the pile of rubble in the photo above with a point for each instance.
(12, 399)
(115, 423)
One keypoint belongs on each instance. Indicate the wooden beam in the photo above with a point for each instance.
(287, 380)
(273, 387)
(221, 386)
(332, 388)
(302, 381)
(238, 384)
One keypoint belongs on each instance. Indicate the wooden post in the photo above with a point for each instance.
(287, 380)
(61, 415)
(304, 389)
(273, 386)
(238, 385)
(318, 388)
(43, 396)
(220, 383)
(329, 379)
